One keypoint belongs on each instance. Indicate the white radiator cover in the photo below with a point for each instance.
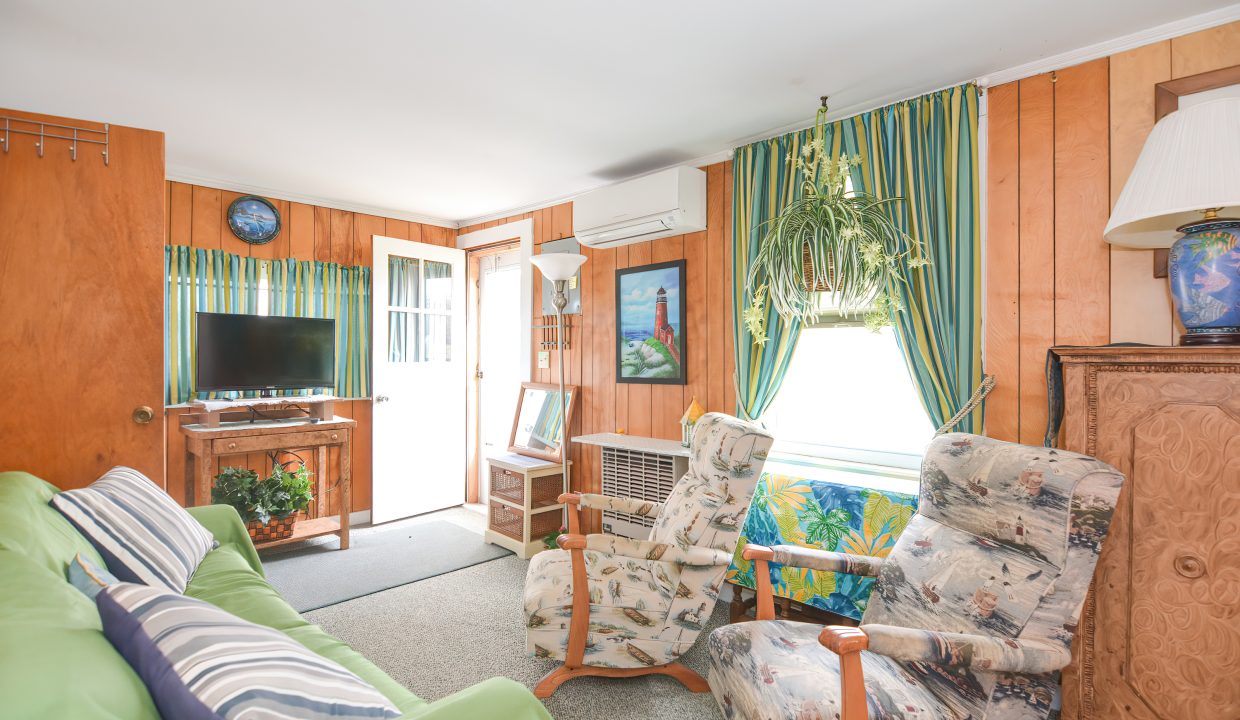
(641, 475)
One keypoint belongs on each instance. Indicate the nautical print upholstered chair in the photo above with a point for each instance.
(616, 607)
(973, 612)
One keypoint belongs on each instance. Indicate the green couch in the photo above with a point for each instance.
(56, 663)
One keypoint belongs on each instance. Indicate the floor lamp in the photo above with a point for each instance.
(559, 268)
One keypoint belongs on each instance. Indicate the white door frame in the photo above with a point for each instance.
(523, 230)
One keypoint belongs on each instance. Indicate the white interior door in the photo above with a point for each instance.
(499, 323)
(419, 378)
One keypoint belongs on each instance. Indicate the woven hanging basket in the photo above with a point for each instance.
(274, 529)
(807, 269)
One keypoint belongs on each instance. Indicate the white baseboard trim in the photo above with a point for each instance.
(361, 517)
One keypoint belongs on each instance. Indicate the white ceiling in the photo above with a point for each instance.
(462, 108)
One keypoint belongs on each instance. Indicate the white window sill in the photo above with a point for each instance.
(842, 472)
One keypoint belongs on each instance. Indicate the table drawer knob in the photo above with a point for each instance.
(232, 446)
(335, 436)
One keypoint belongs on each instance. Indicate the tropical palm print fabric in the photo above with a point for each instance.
(976, 604)
(822, 515)
(650, 599)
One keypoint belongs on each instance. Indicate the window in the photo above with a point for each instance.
(848, 396)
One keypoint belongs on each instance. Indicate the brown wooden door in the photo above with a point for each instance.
(81, 303)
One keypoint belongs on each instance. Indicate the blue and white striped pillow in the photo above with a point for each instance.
(142, 534)
(202, 663)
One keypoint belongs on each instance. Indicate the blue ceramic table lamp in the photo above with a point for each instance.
(1184, 193)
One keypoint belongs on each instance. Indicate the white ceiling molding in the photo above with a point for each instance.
(1167, 31)
(177, 174)
(703, 161)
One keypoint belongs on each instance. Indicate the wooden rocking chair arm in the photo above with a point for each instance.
(803, 557)
(569, 541)
(964, 650)
(594, 501)
(848, 642)
(646, 550)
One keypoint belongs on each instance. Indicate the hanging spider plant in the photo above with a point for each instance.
(830, 240)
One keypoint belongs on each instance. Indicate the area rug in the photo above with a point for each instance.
(442, 635)
(320, 575)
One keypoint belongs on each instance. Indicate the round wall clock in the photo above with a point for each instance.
(254, 219)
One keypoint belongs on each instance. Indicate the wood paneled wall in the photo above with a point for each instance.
(196, 217)
(1060, 147)
(1046, 262)
(590, 361)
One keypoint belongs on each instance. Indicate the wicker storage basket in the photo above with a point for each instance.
(509, 521)
(274, 529)
(510, 486)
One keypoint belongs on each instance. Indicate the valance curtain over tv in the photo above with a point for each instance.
(216, 281)
(923, 150)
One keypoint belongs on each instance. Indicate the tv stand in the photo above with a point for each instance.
(219, 428)
(319, 407)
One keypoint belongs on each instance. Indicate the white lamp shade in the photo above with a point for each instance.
(1190, 163)
(558, 266)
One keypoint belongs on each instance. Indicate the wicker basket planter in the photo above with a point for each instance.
(274, 529)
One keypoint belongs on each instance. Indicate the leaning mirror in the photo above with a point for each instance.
(536, 427)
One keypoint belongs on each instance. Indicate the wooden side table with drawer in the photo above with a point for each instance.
(523, 502)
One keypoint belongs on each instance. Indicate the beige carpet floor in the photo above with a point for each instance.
(445, 633)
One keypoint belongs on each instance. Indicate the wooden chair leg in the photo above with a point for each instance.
(557, 677)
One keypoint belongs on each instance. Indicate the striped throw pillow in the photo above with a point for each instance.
(142, 534)
(202, 663)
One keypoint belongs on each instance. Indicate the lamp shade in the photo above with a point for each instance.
(1190, 163)
(558, 266)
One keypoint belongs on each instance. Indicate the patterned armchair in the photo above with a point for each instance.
(973, 612)
(617, 607)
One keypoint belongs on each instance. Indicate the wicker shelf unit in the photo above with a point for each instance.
(523, 502)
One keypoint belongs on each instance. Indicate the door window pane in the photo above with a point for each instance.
(404, 281)
(437, 337)
(403, 337)
(438, 286)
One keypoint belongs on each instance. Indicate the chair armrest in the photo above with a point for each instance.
(803, 557)
(223, 522)
(962, 650)
(644, 508)
(848, 642)
(645, 550)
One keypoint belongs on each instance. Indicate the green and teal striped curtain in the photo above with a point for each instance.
(924, 150)
(765, 180)
(217, 281)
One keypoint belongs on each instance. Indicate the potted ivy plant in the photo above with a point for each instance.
(269, 506)
(830, 239)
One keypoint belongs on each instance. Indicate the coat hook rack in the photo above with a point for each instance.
(51, 131)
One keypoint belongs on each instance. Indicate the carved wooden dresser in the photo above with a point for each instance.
(1159, 637)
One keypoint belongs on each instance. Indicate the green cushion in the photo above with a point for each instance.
(31, 527)
(54, 660)
(227, 581)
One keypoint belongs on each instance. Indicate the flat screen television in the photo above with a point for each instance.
(255, 352)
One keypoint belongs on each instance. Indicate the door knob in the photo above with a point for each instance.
(143, 414)
(382, 398)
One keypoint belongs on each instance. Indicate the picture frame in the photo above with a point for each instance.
(253, 219)
(534, 424)
(650, 324)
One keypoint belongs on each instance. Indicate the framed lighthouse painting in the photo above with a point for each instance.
(650, 324)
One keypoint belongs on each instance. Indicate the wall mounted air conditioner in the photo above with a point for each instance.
(669, 202)
(639, 475)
